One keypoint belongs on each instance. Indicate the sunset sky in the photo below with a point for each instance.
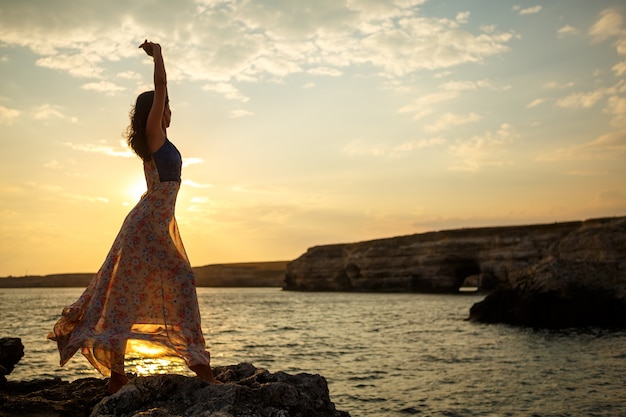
(304, 123)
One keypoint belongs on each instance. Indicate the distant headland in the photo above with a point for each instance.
(248, 274)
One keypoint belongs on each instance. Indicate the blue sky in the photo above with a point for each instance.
(308, 122)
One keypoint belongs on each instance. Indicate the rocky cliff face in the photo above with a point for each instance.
(443, 261)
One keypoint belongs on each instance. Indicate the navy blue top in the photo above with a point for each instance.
(168, 161)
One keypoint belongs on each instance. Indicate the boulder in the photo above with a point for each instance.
(51, 397)
(558, 293)
(11, 351)
(581, 283)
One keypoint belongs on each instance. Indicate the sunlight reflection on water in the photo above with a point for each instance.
(382, 354)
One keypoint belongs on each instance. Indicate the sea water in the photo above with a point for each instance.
(382, 354)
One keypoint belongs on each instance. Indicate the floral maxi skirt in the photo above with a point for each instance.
(143, 298)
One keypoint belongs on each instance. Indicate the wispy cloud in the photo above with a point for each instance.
(528, 10)
(50, 111)
(194, 184)
(449, 120)
(581, 100)
(122, 151)
(105, 87)
(240, 113)
(422, 106)
(359, 147)
(606, 147)
(536, 102)
(609, 25)
(192, 161)
(228, 90)
(567, 30)
(8, 116)
(485, 150)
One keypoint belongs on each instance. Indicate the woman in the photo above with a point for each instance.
(144, 294)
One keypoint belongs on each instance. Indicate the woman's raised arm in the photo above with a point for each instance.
(155, 128)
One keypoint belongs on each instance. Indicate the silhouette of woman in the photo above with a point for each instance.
(144, 294)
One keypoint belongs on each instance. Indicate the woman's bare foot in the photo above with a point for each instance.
(205, 373)
(116, 382)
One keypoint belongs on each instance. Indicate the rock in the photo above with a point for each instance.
(558, 293)
(247, 391)
(582, 282)
(51, 397)
(11, 351)
(441, 262)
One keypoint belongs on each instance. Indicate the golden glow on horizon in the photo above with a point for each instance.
(359, 120)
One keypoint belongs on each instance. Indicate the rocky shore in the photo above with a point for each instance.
(245, 391)
(550, 275)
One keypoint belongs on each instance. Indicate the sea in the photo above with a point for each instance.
(382, 354)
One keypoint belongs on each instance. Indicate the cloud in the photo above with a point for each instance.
(227, 90)
(619, 69)
(240, 113)
(226, 42)
(192, 161)
(449, 120)
(123, 151)
(8, 116)
(462, 17)
(194, 184)
(359, 148)
(536, 102)
(77, 64)
(106, 87)
(555, 85)
(484, 150)
(421, 106)
(616, 106)
(609, 25)
(528, 10)
(567, 30)
(581, 100)
(330, 72)
(606, 147)
(50, 111)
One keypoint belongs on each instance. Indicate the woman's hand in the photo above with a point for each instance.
(150, 47)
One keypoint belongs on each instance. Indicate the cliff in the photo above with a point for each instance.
(443, 261)
(250, 274)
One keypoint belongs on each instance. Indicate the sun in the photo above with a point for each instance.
(136, 189)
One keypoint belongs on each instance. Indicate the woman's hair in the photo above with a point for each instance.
(136, 132)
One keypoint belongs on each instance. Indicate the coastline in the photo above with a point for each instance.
(244, 274)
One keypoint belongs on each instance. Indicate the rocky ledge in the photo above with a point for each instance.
(551, 275)
(246, 391)
(444, 261)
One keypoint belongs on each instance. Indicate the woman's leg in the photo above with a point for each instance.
(204, 372)
(118, 380)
